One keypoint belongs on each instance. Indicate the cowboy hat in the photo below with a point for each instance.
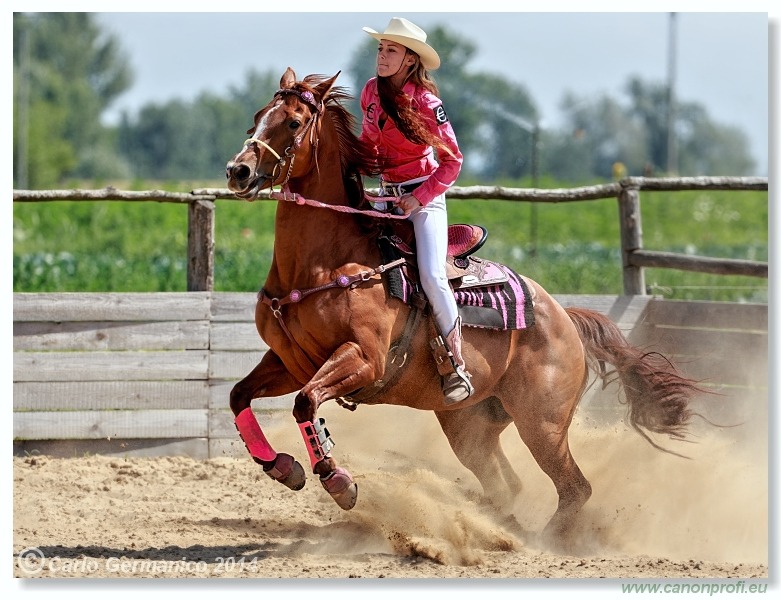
(410, 36)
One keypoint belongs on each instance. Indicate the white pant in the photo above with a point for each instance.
(430, 223)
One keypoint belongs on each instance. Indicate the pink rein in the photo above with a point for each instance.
(288, 196)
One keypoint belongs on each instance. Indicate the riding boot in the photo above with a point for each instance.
(456, 384)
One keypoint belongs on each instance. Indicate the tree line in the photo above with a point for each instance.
(67, 72)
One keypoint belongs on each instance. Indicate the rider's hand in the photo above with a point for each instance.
(408, 203)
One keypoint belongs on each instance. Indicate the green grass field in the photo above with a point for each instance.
(141, 247)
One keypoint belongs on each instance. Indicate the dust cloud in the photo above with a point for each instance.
(414, 493)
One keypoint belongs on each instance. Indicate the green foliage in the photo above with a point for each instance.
(574, 248)
(100, 246)
(181, 140)
(66, 73)
(49, 153)
(602, 131)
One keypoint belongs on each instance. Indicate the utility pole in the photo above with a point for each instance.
(533, 218)
(23, 108)
(672, 147)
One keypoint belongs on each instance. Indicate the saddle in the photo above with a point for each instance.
(464, 270)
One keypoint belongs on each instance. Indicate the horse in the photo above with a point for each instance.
(333, 328)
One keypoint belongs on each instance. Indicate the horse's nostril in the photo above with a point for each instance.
(237, 171)
(242, 171)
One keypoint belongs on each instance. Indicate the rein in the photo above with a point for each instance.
(285, 195)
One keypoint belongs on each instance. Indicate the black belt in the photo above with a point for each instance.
(399, 189)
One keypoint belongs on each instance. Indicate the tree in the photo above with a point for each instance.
(596, 134)
(648, 105)
(704, 147)
(188, 140)
(602, 131)
(708, 148)
(63, 60)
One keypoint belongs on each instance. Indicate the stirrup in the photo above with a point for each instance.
(456, 386)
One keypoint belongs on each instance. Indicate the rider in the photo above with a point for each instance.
(405, 120)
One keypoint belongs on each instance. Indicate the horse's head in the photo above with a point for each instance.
(282, 139)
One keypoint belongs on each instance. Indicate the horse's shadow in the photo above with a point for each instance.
(194, 553)
(286, 540)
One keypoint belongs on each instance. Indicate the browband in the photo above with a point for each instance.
(306, 96)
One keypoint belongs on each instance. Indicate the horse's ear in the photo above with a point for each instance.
(288, 79)
(252, 129)
(323, 88)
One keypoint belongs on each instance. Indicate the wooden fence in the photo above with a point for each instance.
(151, 373)
(200, 232)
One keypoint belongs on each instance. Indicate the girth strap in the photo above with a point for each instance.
(397, 357)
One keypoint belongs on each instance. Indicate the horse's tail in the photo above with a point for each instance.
(657, 395)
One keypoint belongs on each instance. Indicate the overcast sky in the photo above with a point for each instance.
(721, 58)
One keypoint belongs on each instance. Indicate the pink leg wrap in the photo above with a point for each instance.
(253, 437)
(317, 440)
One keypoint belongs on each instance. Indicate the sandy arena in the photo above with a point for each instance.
(419, 512)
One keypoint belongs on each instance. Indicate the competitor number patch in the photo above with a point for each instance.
(440, 115)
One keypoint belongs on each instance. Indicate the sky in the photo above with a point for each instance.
(721, 58)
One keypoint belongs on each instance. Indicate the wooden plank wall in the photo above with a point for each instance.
(150, 374)
(135, 374)
(722, 345)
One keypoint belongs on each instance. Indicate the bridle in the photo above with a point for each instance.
(288, 157)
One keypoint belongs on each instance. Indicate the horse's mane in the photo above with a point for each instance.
(357, 157)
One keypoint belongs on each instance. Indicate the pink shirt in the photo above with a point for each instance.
(415, 160)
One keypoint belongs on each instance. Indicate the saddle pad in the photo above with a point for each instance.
(505, 305)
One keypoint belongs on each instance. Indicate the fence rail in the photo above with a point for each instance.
(201, 216)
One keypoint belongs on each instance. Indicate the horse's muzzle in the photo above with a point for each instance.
(243, 181)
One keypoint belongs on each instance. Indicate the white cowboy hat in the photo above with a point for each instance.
(410, 36)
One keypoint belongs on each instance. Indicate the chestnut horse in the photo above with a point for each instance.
(329, 323)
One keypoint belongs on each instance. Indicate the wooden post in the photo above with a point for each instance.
(200, 246)
(631, 239)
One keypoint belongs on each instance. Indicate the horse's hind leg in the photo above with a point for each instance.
(268, 378)
(473, 433)
(544, 429)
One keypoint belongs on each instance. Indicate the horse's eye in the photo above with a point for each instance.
(295, 125)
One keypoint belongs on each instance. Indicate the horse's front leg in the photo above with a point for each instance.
(347, 370)
(269, 378)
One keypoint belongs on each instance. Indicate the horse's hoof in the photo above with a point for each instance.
(288, 471)
(339, 483)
